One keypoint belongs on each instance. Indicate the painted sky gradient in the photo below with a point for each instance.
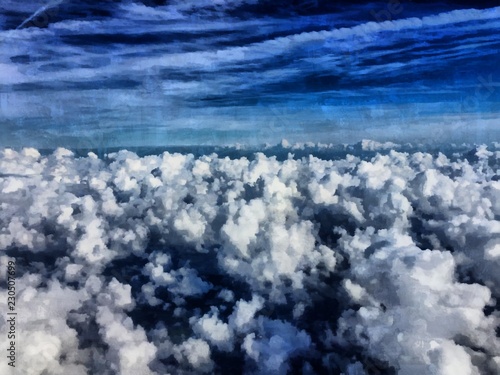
(122, 73)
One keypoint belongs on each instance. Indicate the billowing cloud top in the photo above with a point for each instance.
(381, 260)
(128, 73)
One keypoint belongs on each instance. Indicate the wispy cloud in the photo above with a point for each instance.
(205, 54)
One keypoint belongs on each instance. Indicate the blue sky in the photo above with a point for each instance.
(124, 73)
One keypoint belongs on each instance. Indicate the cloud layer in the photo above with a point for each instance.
(211, 72)
(383, 259)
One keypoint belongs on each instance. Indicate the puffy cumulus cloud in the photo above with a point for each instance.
(196, 352)
(215, 331)
(45, 341)
(129, 351)
(380, 257)
(277, 341)
(244, 312)
(414, 304)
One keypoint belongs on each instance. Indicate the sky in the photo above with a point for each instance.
(88, 74)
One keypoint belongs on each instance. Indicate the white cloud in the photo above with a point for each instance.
(197, 353)
(175, 262)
